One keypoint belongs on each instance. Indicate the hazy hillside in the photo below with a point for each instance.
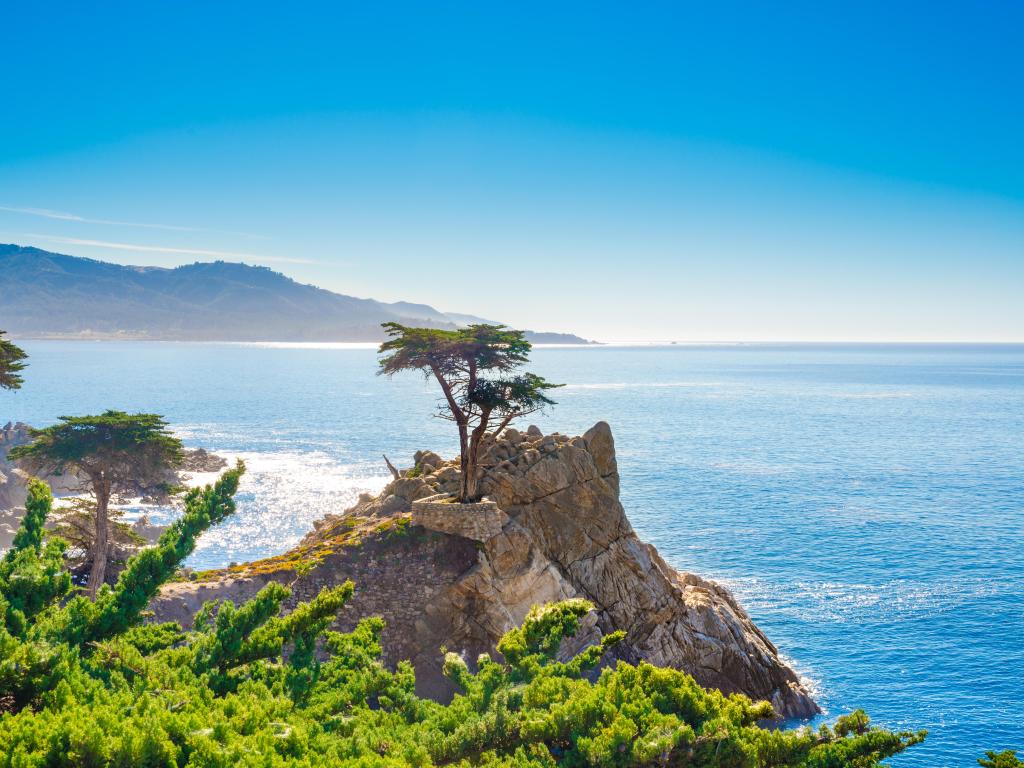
(50, 294)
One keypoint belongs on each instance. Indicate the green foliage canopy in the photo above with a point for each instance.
(474, 366)
(124, 448)
(1005, 759)
(11, 364)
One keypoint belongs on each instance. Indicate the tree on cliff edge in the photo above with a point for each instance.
(114, 453)
(10, 364)
(474, 367)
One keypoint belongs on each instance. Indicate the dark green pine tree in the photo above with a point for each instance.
(11, 364)
(113, 453)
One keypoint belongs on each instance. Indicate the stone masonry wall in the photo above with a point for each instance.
(480, 521)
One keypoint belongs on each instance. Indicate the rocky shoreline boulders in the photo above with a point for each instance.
(566, 536)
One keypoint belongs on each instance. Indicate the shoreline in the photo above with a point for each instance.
(762, 345)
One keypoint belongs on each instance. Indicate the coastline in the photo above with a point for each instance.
(757, 344)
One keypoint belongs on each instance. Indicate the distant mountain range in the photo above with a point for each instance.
(48, 295)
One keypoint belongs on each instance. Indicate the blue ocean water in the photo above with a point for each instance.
(865, 503)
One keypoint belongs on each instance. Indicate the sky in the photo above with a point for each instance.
(626, 171)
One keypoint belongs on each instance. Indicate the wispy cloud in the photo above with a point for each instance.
(170, 249)
(62, 216)
(46, 213)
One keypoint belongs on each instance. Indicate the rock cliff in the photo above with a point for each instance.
(566, 536)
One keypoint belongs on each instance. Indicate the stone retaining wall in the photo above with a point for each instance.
(480, 521)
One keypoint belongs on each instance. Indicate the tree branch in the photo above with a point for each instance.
(457, 412)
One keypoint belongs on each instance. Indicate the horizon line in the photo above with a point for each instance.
(590, 345)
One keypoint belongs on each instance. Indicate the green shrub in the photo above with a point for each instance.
(1005, 759)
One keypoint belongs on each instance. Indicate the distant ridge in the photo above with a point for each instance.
(52, 295)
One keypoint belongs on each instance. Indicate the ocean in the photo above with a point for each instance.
(864, 502)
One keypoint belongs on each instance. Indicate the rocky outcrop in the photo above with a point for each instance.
(566, 535)
(201, 460)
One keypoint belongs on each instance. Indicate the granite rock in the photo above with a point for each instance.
(566, 535)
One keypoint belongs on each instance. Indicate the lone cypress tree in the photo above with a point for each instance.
(11, 356)
(474, 367)
(114, 452)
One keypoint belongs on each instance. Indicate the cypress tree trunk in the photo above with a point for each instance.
(471, 471)
(464, 461)
(100, 542)
(469, 478)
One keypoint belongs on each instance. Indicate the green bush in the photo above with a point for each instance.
(1005, 759)
(89, 684)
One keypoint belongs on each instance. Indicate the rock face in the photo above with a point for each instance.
(10, 436)
(566, 535)
(201, 460)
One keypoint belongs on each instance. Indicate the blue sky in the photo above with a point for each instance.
(713, 171)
